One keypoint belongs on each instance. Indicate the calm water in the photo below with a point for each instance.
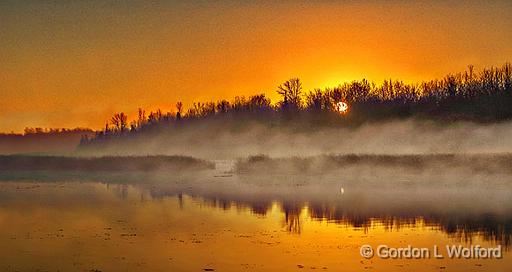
(54, 222)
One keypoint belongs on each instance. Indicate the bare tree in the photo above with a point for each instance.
(223, 106)
(120, 121)
(291, 91)
(141, 120)
(179, 108)
(315, 100)
(259, 103)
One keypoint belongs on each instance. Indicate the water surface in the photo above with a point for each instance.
(225, 222)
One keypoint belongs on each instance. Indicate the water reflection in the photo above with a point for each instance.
(496, 227)
(178, 224)
(462, 212)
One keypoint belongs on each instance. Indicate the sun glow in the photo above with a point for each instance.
(341, 107)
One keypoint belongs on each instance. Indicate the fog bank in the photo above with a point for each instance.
(225, 139)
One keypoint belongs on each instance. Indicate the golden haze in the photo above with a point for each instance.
(75, 64)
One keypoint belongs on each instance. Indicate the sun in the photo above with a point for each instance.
(341, 107)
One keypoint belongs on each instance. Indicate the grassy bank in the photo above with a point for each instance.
(109, 163)
(476, 163)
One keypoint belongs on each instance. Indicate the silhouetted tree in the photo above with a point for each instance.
(291, 91)
(315, 100)
(179, 110)
(259, 103)
(239, 104)
(223, 106)
(141, 119)
(472, 95)
(120, 121)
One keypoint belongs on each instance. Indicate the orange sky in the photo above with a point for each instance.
(74, 63)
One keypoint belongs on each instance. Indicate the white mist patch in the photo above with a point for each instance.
(227, 139)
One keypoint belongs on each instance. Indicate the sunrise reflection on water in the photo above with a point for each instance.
(119, 227)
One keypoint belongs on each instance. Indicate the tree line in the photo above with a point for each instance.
(484, 95)
(31, 131)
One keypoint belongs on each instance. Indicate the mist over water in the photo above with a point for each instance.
(221, 139)
(402, 169)
(281, 191)
(460, 202)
